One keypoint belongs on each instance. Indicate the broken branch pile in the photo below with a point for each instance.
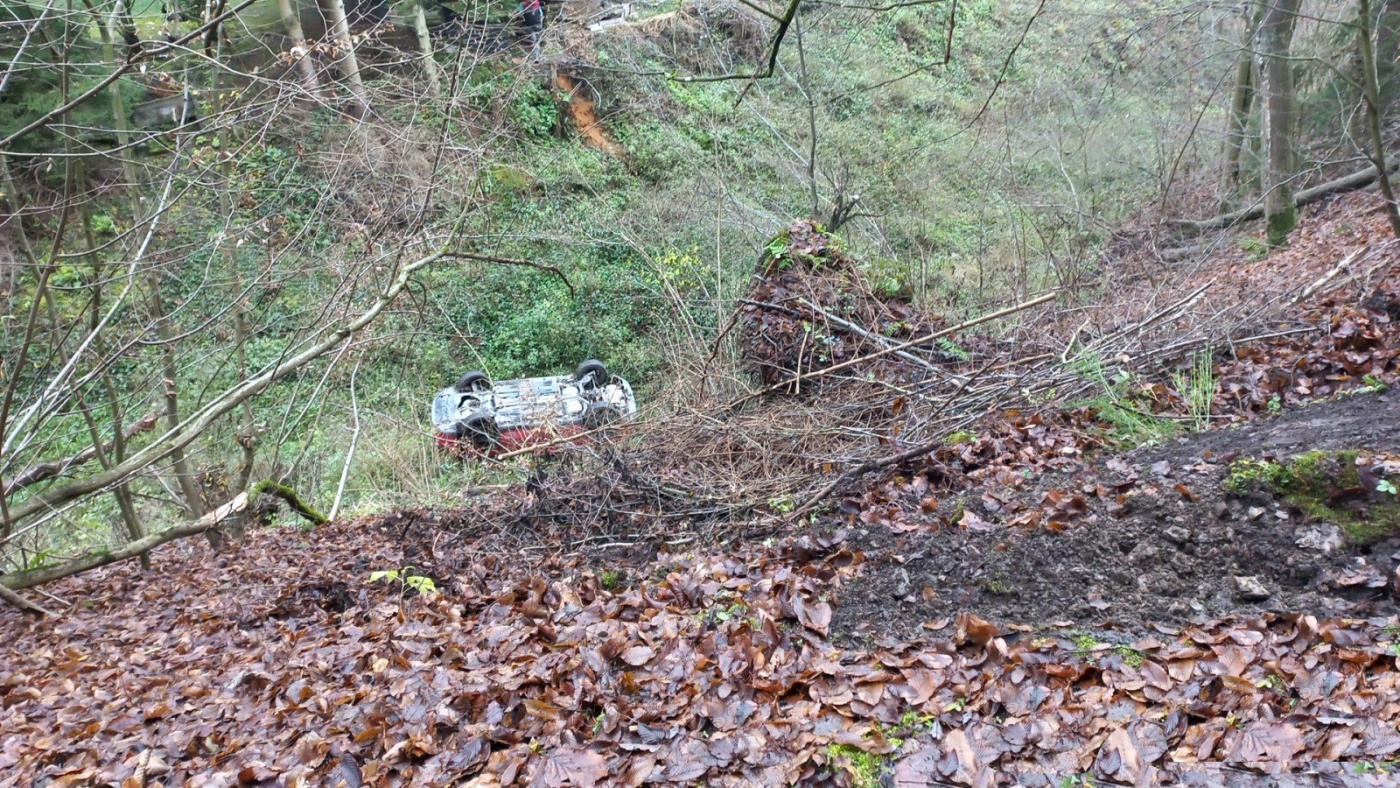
(811, 307)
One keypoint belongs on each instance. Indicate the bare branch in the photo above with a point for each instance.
(486, 258)
(48, 470)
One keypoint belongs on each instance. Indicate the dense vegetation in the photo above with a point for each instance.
(487, 208)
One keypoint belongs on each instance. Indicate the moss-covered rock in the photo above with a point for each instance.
(1325, 486)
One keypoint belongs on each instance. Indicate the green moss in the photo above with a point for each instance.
(1247, 473)
(866, 768)
(1281, 224)
(1308, 482)
(1084, 643)
(959, 437)
(997, 586)
(293, 500)
(1130, 655)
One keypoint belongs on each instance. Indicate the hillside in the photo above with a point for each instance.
(646, 640)
(1015, 383)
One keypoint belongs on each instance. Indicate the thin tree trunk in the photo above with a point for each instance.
(1278, 117)
(170, 368)
(247, 439)
(301, 48)
(1241, 102)
(1371, 84)
(349, 65)
(121, 492)
(425, 45)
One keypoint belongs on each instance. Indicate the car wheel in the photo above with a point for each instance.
(594, 368)
(476, 380)
(480, 430)
(600, 414)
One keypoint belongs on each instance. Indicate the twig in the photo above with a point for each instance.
(556, 442)
(547, 268)
(24, 604)
(876, 338)
(871, 465)
(714, 351)
(55, 598)
(354, 439)
(1355, 257)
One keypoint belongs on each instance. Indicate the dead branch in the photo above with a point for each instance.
(1322, 281)
(923, 340)
(47, 470)
(19, 580)
(877, 339)
(24, 604)
(483, 258)
(896, 458)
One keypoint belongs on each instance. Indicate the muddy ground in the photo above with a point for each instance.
(1166, 559)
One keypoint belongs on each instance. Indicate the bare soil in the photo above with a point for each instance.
(1165, 559)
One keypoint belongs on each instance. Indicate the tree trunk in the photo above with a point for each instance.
(125, 504)
(349, 65)
(1278, 117)
(21, 580)
(247, 439)
(1241, 102)
(425, 45)
(128, 30)
(1371, 85)
(170, 368)
(301, 50)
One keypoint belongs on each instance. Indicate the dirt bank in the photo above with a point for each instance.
(1171, 551)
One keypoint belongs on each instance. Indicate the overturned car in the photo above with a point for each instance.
(508, 415)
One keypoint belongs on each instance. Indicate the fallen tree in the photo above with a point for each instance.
(18, 580)
(225, 514)
(1347, 183)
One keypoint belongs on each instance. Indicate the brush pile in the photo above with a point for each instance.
(811, 307)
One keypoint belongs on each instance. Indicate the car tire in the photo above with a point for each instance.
(482, 431)
(476, 380)
(596, 369)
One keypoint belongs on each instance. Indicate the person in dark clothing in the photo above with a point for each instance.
(451, 26)
(532, 16)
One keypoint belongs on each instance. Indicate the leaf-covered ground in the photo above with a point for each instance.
(286, 666)
(849, 650)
